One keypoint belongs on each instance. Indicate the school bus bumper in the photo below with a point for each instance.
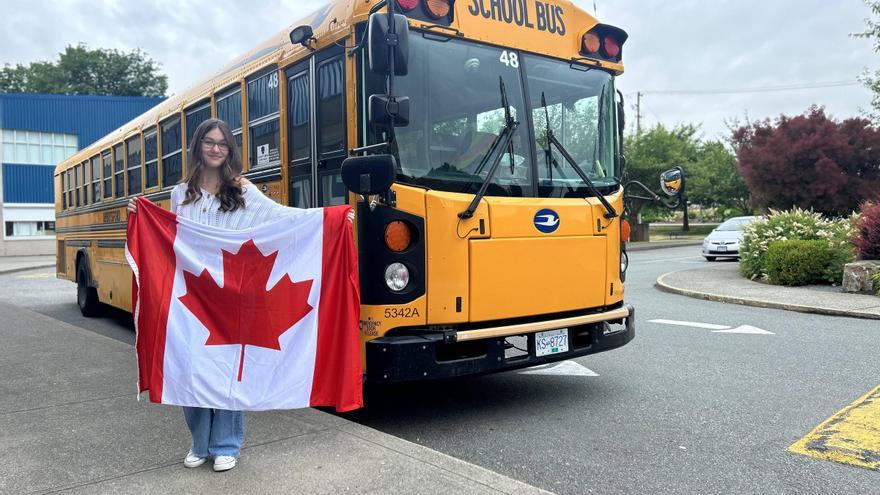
(431, 355)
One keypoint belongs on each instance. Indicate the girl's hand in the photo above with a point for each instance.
(350, 216)
(132, 206)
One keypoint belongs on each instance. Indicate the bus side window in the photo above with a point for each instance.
(118, 173)
(331, 130)
(172, 156)
(133, 146)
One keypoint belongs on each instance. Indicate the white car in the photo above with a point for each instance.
(723, 242)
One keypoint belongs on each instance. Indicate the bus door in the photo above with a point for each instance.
(316, 129)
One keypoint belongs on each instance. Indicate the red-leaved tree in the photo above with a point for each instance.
(810, 161)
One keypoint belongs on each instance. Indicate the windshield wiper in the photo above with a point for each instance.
(503, 141)
(610, 212)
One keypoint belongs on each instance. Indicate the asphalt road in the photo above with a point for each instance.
(678, 410)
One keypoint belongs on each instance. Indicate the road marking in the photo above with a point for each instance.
(852, 436)
(670, 259)
(746, 329)
(565, 368)
(36, 275)
(695, 324)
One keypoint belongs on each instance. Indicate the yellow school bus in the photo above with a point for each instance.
(480, 142)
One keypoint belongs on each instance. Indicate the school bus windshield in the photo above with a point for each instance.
(456, 114)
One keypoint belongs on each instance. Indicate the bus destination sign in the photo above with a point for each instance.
(542, 16)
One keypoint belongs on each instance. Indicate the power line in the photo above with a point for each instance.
(760, 89)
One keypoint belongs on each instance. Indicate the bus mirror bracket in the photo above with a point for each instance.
(303, 35)
(672, 183)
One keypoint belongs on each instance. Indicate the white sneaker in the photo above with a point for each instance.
(224, 462)
(192, 460)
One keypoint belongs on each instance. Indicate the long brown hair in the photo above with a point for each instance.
(230, 193)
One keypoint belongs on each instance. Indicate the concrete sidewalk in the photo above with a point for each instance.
(10, 264)
(71, 424)
(723, 282)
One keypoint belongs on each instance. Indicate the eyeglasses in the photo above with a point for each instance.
(210, 143)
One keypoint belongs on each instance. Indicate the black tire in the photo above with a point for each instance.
(86, 296)
(709, 258)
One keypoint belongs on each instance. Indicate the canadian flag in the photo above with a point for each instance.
(257, 319)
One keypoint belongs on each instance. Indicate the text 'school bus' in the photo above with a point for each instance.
(480, 142)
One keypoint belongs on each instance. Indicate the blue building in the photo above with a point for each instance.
(37, 132)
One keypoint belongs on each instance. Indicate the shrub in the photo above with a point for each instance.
(877, 282)
(868, 240)
(797, 224)
(797, 262)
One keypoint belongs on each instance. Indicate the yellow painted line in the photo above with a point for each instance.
(852, 436)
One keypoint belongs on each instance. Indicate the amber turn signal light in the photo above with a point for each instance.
(591, 42)
(398, 236)
(625, 231)
(437, 8)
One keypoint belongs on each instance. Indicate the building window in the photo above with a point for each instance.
(229, 111)
(133, 146)
(194, 117)
(37, 148)
(118, 171)
(172, 157)
(151, 161)
(29, 229)
(96, 180)
(263, 121)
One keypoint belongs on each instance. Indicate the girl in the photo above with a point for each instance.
(215, 194)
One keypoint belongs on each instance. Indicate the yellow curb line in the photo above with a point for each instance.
(852, 436)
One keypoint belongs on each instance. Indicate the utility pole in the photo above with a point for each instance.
(639, 113)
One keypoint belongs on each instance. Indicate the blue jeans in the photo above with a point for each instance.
(215, 432)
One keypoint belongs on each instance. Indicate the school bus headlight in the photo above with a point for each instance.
(624, 264)
(397, 276)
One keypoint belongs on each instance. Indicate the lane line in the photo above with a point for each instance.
(668, 259)
(852, 436)
(694, 324)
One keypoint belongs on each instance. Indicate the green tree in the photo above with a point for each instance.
(650, 153)
(872, 78)
(714, 181)
(82, 71)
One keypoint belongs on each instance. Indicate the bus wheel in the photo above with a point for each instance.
(86, 297)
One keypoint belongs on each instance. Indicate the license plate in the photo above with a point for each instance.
(551, 342)
(722, 248)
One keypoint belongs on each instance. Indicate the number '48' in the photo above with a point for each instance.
(510, 59)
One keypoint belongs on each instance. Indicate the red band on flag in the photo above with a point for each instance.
(338, 378)
(150, 246)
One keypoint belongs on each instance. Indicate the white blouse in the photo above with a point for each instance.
(206, 210)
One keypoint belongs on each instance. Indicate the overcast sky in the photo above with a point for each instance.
(705, 46)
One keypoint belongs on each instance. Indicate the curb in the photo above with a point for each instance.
(24, 269)
(663, 286)
(648, 246)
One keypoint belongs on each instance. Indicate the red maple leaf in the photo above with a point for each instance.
(242, 311)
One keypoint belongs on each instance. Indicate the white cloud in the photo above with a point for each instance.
(679, 45)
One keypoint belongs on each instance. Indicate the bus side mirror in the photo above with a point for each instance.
(672, 182)
(367, 175)
(380, 40)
